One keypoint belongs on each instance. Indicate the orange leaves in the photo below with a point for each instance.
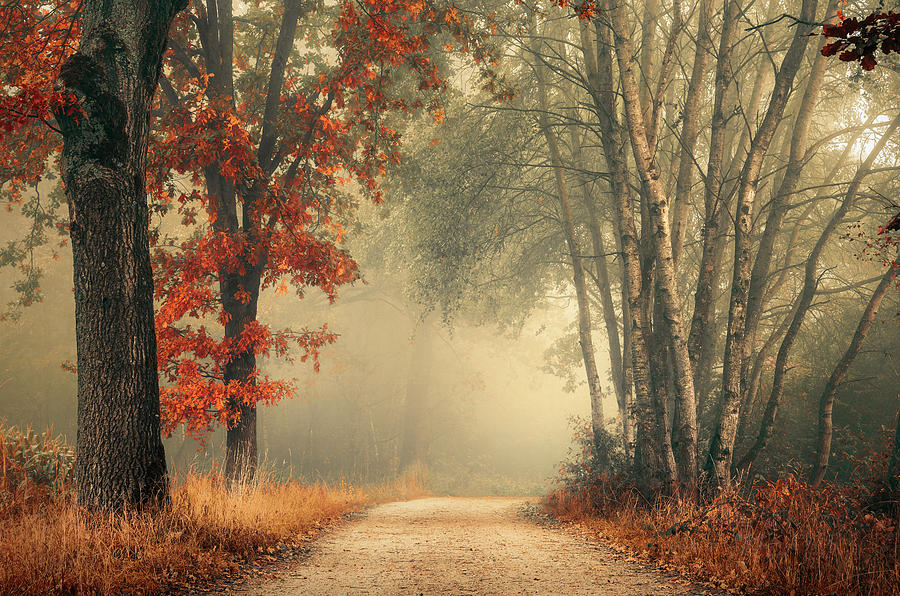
(242, 296)
(36, 36)
(268, 214)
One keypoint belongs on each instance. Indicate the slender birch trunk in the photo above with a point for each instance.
(658, 205)
(826, 400)
(690, 129)
(623, 392)
(722, 443)
(703, 295)
(598, 63)
(585, 339)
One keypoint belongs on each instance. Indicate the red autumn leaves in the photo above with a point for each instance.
(280, 229)
(860, 40)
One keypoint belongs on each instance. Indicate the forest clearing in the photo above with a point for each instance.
(425, 296)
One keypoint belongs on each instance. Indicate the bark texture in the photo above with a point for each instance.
(114, 75)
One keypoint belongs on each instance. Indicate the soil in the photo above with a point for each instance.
(453, 545)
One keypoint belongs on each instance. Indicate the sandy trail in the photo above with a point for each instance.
(461, 546)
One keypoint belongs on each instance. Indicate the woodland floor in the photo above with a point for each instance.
(454, 545)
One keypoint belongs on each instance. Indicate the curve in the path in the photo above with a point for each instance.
(462, 546)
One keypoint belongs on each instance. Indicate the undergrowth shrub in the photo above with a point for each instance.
(33, 466)
(777, 536)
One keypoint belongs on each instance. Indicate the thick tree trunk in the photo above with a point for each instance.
(722, 443)
(826, 400)
(807, 293)
(114, 75)
(667, 291)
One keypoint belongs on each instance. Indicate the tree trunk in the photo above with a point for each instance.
(751, 392)
(826, 400)
(667, 289)
(114, 75)
(810, 283)
(598, 63)
(894, 470)
(585, 339)
(622, 387)
(703, 294)
(722, 443)
(690, 130)
(412, 438)
(241, 453)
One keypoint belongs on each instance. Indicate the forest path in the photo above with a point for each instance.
(453, 545)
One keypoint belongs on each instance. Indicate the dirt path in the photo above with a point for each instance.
(461, 546)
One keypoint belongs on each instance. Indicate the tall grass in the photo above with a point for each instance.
(48, 545)
(207, 530)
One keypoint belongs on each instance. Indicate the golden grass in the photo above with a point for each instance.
(48, 545)
(411, 484)
(786, 539)
(208, 530)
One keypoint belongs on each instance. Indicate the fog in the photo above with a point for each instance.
(493, 421)
(525, 272)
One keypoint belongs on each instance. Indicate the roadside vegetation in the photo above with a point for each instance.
(779, 536)
(49, 545)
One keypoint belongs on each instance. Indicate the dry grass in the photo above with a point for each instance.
(409, 485)
(207, 531)
(786, 538)
(48, 545)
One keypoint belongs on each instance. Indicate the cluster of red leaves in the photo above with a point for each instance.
(35, 37)
(332, 131)
(860, 40)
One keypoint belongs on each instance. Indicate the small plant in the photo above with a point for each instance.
(33, 463)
